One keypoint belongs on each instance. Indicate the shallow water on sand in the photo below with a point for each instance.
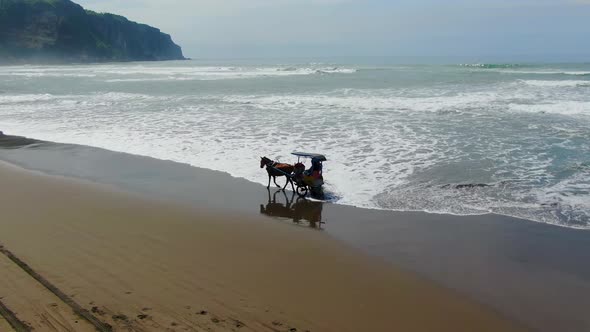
(460, 139)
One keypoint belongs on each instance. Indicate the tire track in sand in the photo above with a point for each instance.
(38, 302)
(9, 321)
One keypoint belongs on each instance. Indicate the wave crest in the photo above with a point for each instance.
(492, 65)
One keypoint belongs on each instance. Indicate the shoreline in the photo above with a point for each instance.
(13, 141)
(204, 270)
(526, 271)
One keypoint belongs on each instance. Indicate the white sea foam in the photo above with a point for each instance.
(26, 98)
(509, 99)
(40, 74)
(560, 83)
(359, 103)
(49, 100)
(153, 79)
(141, 73)
(555, 107)
(544, 72)
(219, 73)
(523, 70)
(388, 147)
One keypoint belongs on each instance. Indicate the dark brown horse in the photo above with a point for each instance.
(275, 169)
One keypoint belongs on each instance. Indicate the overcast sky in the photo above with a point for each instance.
(259, 28)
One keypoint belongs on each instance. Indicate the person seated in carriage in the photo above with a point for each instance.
(315, 170)
(311, 177)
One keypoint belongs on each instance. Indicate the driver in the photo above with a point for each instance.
(316, 168)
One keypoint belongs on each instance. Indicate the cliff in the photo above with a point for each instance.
(62, 31)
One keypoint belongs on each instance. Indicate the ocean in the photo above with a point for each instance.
(464, 139)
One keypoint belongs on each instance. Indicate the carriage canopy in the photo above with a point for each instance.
(317, 156)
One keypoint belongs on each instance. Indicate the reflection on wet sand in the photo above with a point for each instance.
(297, 209)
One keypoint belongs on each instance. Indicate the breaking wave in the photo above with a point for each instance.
(492, 65)
(560, 83)
(143, 73)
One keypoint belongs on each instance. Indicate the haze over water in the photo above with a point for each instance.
(462, 139)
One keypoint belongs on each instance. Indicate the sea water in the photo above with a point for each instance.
(511, 139)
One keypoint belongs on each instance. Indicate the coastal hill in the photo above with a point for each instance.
(63, 31)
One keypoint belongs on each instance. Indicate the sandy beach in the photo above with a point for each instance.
(294, 166)
(144, 265)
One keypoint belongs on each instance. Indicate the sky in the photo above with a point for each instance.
(540, 29)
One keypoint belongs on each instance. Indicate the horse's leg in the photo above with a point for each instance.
(275, 180)
(268, 186)
(288, 179)
(292, 186)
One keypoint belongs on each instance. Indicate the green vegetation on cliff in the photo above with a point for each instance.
(62, 31)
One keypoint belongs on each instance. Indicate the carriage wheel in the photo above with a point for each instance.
(301, 191)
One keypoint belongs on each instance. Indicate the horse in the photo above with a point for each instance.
(272, 168)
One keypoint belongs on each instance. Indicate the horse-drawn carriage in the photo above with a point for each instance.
(303, 181)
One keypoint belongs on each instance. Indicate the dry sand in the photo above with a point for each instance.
(34, 303)
(144, 265)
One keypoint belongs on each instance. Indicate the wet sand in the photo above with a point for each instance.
(146, 265)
